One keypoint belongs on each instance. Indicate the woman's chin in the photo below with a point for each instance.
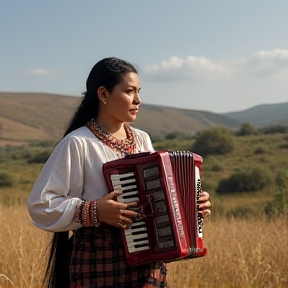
(131, 118)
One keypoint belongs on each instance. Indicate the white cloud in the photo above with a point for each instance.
(259, 64)
(267, 63)
(189, 68)
(41, 72)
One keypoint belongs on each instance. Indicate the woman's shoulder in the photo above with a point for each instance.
(139, 132)
(80, 134)
(79, 137)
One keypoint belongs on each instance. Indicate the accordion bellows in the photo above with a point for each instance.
(167, 186)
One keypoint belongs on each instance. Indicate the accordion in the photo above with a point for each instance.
(166, 186)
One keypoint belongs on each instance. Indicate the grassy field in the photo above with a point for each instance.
(243, 252)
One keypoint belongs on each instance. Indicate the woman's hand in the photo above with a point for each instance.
(205, 204)
(114, 213)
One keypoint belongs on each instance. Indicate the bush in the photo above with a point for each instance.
(41, 157)
(259, 150)
(213, 164)
(279, 205)
(252, 179)
(275, 129)
(217, 141)
(247, 129)
(7, 179)
(44, 143)
(177, 135)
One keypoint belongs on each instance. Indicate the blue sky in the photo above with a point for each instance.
(211, 55)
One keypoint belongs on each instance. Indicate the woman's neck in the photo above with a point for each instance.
(116, 129)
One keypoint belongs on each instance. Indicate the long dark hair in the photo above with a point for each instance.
(107, 72)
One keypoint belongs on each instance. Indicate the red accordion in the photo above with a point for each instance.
(167, 186)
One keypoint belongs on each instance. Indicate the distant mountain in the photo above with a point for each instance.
(25, 117)
(262, 115)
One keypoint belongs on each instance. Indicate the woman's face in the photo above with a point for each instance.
(123, 102)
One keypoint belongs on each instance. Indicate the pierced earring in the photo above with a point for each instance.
(104, 102)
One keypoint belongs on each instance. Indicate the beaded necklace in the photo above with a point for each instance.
(121, 147)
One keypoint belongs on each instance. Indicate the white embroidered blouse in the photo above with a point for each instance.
(73, 173)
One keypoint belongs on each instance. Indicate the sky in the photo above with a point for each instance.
(211, 55)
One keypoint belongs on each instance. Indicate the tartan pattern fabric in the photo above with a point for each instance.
(98, 260)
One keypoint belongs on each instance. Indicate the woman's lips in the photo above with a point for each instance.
(134, 111)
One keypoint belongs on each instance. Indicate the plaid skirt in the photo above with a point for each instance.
(98, 260)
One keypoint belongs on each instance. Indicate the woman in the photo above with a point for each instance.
(70, 193)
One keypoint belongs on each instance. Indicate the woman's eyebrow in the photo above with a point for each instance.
(134, 87)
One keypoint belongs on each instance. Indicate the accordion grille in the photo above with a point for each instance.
(183, 168)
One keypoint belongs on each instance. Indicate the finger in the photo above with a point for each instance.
(132, 204)
(205, 213)
(112, 194)
(121, 224)
(128, 206)
(128, 213)
(205, 205)
(205, 194)
(116, 193)
(126, 221)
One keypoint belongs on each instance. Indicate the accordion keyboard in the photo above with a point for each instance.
(127, 187)
(136, 235)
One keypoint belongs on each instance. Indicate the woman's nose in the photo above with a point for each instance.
(137, 99)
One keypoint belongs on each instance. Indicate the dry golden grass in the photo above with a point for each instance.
(241, 253)
(21, 249)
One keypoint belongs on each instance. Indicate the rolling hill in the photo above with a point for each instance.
(262, 115)
(26, 117)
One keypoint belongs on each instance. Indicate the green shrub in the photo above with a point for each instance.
(283, 146)
(177, 135)
(275, 129)
(259, 150)
(247, 129)
(252, 179)
(40, 157)
(44, 143)
(217, 141)
(7, 179)
(279, 205)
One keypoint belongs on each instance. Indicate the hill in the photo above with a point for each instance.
(262, 115)
(26, 117)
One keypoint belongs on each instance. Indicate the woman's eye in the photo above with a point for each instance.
(130, 92)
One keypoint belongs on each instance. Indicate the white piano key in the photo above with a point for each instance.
(138, 243)
(119, 187)
(131, 238)
(130, 231)
(133, 249)
(131, 193)
(119, 176)
(119, 182)
(138, 223)
(136, 199)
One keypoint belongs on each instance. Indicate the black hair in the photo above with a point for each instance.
(107, 72)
